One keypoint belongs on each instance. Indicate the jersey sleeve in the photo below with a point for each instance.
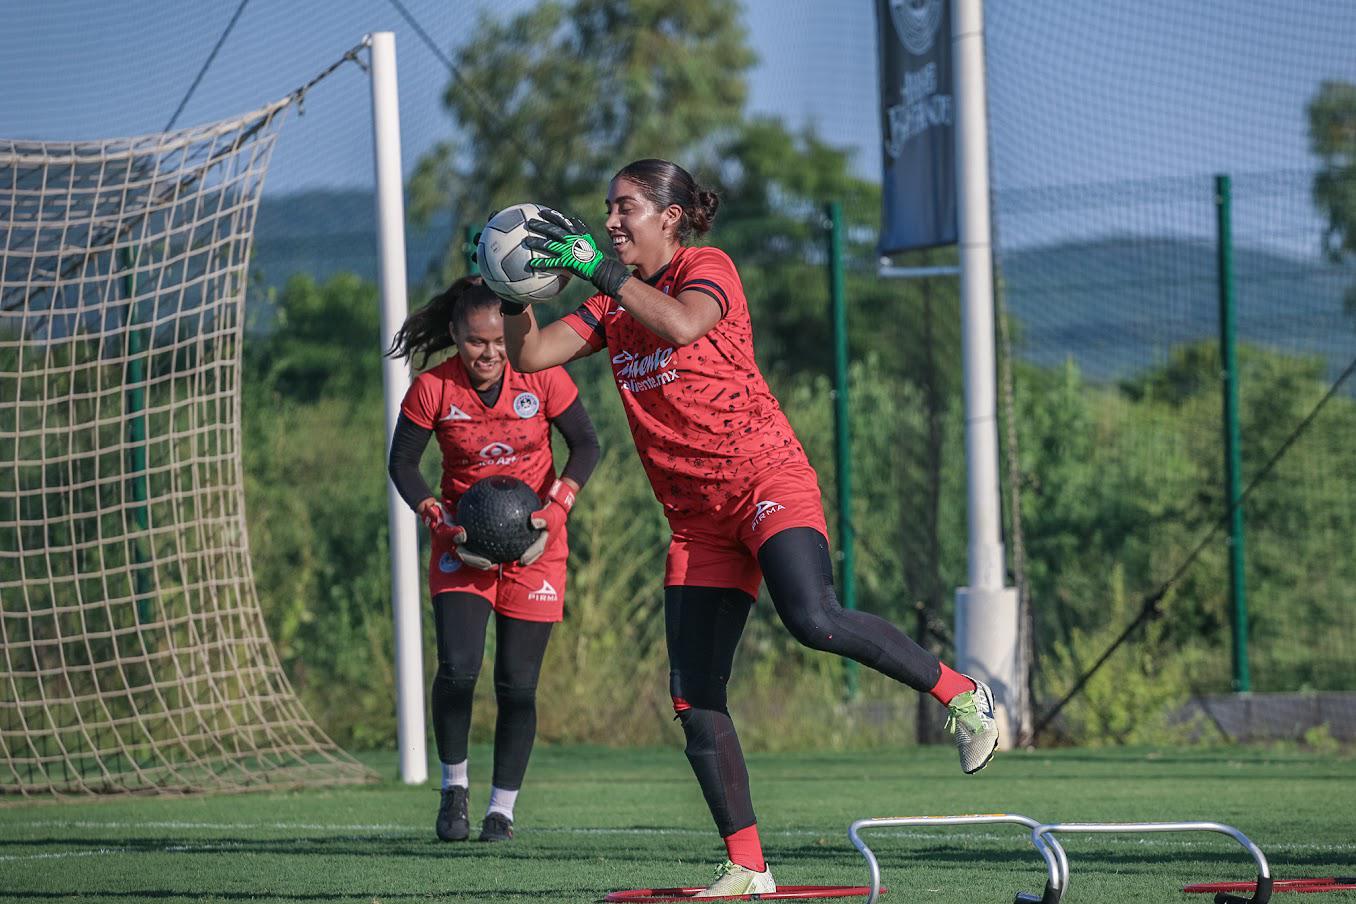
(712, 273)
(558, 390)
(587, 320)
(421, 401)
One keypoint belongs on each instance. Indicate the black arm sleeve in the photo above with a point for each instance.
(407, 447)
(576, 426)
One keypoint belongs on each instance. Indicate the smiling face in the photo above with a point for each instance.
(643, 234)
(480, 344)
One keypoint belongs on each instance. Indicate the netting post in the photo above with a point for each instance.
(986, 610)
(1233, 457)
(395, 374)
(842, 434)
(135, 381)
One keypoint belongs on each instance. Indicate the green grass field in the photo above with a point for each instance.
(592, 820)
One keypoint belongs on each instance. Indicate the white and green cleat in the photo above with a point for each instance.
(733, 879)
(975, 726)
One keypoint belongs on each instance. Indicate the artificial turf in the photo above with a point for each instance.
(590, 820)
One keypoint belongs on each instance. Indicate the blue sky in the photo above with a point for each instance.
(1080, 90)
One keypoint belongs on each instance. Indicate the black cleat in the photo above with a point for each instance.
(453, 824)
(496, 827)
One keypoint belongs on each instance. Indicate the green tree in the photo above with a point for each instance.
(323, 341)
(550, 102)
(1332, 136)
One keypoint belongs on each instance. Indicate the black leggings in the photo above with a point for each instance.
(460, 620)
(703, 626)
(799, 578)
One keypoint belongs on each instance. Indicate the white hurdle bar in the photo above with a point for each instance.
(1047, 845)
(1058, 866)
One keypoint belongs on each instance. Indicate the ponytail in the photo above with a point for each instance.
(427, 330)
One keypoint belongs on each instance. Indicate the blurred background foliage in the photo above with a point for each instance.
(1118, 477)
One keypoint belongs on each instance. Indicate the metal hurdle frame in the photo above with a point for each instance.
(1052, 852)
(1047, 845)
(1058, 867)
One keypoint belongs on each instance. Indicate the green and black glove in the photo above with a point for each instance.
(566, 245)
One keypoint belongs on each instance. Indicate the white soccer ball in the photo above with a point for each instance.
(503, 259)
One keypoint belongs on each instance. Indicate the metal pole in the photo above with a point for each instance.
(1233, 458)
(136, 438)
(986, 611)
(395, 375)
(841, 431)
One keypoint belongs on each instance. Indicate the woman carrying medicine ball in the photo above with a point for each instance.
(489, 419)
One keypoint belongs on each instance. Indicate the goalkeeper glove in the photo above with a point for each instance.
(566, 245)
(549, 519)
(439, 521)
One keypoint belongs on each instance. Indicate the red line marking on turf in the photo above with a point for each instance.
(804, 892)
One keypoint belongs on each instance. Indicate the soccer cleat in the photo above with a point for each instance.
(452, 824)
(496, 827)
(973, 723)
(733, 879)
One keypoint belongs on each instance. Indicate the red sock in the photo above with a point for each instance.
(950, 684)
(744, 849)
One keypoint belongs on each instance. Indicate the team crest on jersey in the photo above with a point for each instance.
(448, 563)
(764, 509)
(526, 405)
(545, 593)
(454, 414)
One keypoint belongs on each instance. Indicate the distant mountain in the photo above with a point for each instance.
(1117, 305)
(327, 232)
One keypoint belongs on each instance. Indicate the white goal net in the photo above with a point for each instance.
(133, 653)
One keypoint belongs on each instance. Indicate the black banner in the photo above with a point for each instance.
(918, 124)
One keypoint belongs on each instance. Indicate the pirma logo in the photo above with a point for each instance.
(526, 405)
(455, 414)
(545, 593)
(763, 510)
(448, 563)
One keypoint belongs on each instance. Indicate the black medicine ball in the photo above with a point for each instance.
(497, 514)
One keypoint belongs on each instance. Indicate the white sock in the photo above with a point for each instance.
(455, 774)
(502, 801)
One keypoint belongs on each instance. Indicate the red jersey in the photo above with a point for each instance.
(702, 416)
(511, 437)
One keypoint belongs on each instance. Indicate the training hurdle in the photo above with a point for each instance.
(1058, 868)
(1043, 838)
(1048, 846)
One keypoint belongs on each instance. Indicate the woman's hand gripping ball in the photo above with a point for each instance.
(550, 519)
(566, 245)
(439, 521)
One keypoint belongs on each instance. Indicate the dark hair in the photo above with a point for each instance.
(664, 184)
(425, 331)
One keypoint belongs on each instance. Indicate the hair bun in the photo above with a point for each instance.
(704, 210)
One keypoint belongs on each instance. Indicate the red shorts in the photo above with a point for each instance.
(720, 548)
(533, 592)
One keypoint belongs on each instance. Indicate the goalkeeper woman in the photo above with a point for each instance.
(741, 499)
(489, 419)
